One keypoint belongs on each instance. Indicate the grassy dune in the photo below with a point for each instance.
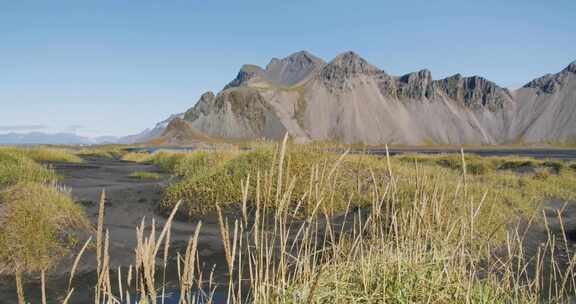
(37, 217)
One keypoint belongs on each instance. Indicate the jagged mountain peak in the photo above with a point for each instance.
(303, 57)
(247, 72)
(551, 83)
(352, 63)
(283, 72)
(571, 67)
(422, 75)
(415, 85)
(292, 69)
(474, 91)
(345, 66)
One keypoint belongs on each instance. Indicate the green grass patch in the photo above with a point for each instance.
(45, 154)
(143, 175)
(16, 167)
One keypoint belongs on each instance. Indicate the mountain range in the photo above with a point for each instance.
(352, 101)
(34, 138)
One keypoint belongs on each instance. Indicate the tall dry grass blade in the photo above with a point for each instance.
(187, 277)
(43, 283)
(68, 296)
(166, 251)
(464, 175)
(166, 227)
(77, 261)
(245, 188)
(19, 286)
(281, 166)
(99, 230)
(388, 162)
(120, 289)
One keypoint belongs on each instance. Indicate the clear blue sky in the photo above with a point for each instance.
(112, 67)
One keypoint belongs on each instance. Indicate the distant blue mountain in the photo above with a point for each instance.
(52, 139)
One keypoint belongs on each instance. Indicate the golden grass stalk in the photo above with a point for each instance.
(77, 261)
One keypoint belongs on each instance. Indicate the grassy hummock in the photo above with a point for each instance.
(34, 226)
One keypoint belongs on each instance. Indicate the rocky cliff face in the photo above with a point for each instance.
(350, 100)
(474, 92)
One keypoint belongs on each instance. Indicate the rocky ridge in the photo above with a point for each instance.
(350, 100)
